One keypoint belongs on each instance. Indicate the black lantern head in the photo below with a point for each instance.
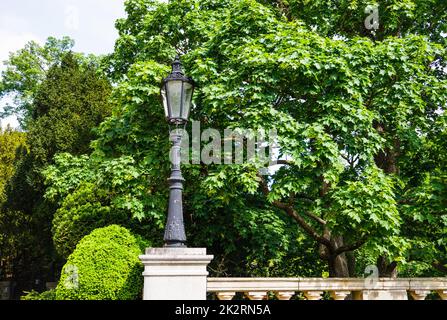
(177, 91)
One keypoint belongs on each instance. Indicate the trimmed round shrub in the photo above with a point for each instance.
(104, 266)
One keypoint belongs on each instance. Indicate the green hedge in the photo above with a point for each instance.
(82, 212)
(104, 266)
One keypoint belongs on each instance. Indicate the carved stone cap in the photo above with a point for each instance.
(176, 251)
(173, 256)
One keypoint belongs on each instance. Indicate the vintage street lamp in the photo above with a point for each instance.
(176, 91)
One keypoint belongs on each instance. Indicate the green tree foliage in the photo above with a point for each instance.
(425, 204)
(131, 164)
(81, 213)
(92, 194)
(361, 130)
(71, 100)
(346, 17)
(12, 144)
(355, 110)
(27, 68)
(16, 229)
(104, 266)
(12, 147)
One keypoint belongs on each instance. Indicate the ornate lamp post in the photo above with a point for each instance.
(176, 91)
(179, 271)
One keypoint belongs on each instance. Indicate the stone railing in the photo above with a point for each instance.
(337, 288)
(181, 274)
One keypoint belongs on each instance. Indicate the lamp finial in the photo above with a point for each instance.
(177, 65)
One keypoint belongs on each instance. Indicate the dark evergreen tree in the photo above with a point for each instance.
(67, 106)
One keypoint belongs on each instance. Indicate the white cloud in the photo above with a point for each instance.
(10, 121)
(11, 41)
(89, 22)
(71, 18)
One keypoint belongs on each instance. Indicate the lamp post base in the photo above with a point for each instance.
(175, 245)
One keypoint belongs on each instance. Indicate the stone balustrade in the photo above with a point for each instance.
(337, 288)
(181, 274)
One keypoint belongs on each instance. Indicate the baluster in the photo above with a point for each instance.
(419, 294)
(313, 295)
(284, 295)
(442, 294)
(256, 295)
(225, 296)
(340, 295)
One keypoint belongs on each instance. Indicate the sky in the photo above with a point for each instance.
(91, 23)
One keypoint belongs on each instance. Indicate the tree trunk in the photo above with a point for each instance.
(387, 158)
(386, 270)
(341, 265)
(338, 267)
(338, 264)
(351, 263)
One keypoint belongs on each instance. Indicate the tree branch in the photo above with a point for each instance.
(316, 218)
(302, 223)
(350, 247)
(264, 186)
(285, 162)
(293, 214)
(439, 266)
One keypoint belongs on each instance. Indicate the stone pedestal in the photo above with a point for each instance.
(5, 290)
(175, 273)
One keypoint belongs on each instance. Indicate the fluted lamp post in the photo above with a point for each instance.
(176, 92)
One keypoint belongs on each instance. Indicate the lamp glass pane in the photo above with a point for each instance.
(165, 101)
(187, 96)
(175, 98)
